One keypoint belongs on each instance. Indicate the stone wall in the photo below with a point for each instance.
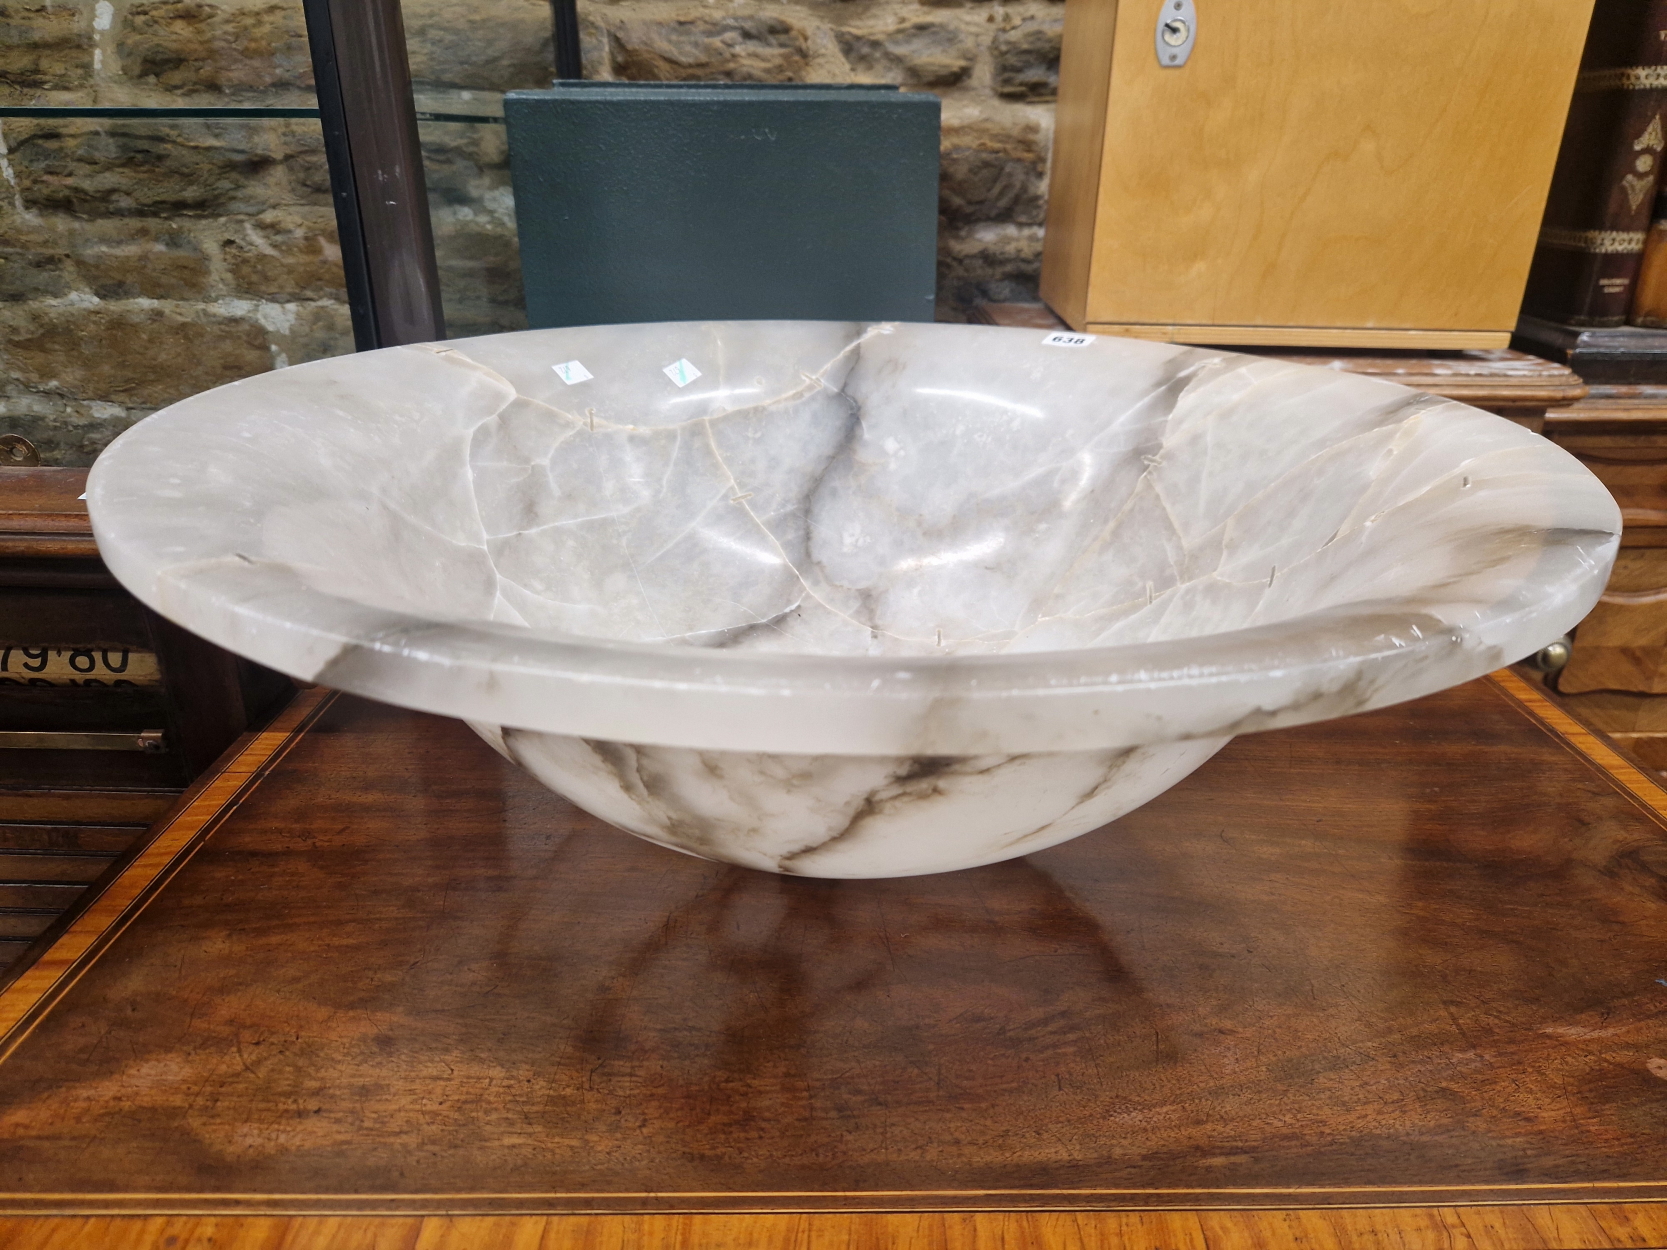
(141, 262)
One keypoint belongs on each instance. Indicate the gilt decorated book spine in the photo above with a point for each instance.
(1608, 170)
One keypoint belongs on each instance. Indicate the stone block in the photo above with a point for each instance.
(923, 54)
(314, 332)
(468, 167)
(186, 45)
(1000, 263)
(138, 168)
(31, 273)
(993, 172)
(65, 432)
(286, 254)
(1027, 59)
(595, 50)
(306, 167)
(137, 356)
(741, 48)
(480, 280)
(44, 46)
(138, 260)
(491, 47)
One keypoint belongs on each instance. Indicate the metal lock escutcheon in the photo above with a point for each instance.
(1177, 32)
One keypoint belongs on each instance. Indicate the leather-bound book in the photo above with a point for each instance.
(1608, 169)
(1649, 296)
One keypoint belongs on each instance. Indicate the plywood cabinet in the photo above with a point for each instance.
(1317, 173)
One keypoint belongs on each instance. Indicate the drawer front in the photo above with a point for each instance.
(1622, 643)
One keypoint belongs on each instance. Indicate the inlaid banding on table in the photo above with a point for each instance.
(34, 989)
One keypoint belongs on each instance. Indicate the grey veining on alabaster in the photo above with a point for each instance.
(850, 572)
(845, 815)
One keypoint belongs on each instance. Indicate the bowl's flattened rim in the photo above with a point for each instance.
(1306, 668)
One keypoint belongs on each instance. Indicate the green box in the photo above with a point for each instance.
(720, 201)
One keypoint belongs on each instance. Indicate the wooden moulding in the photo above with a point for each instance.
(1620, 434)
(40, 517)
(1595, 1226)
(1511, 383)
(1620, 356)
(98, 806)
(1307, 336)
(1500, 381)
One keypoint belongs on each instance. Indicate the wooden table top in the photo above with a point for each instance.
(42, 514)
(1401, 974)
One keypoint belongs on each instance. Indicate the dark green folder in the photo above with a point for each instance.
(719, 201)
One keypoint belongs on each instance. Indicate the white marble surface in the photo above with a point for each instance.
(852, 600)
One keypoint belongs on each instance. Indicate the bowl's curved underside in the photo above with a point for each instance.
(849, 815)
(859, 566)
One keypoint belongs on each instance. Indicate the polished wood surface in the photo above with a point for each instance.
(1309, 336)
(1318, 173)
(1408, 957)
(1621, 645)
(149, 864)
(1024, 316)
(1594, 1227)
(41, 516)
(1636, 723)
(56, 596)
(89, 806)
(1611, 409)
(1597, 747)
(1620, 434)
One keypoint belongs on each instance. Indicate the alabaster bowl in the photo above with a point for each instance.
(852, 600)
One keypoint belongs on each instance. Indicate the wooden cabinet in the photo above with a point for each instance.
(107, 711)
(1620, 434)
(1321, 174)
